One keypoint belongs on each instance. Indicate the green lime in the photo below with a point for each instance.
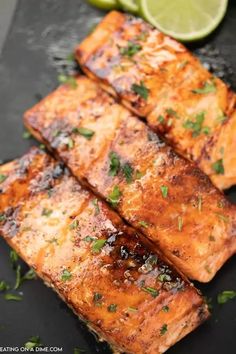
(104, 4)
(129, 5)
(186, 20)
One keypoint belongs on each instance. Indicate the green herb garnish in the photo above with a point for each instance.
(26, 135)
(171, 112)
(196, 125)
(165, 308)
(128, 172)
(114, 196)
(74, 224)
(208, 87)
(218, 167)
(164, 277)
(112, 308)
(141, 90)
(114, 164)
(160, 119)
(225, 296)
(164, 191)
(68, 80)
(98, 245)
(12, 297)
(131, 49)
(70, 143)
(33, 342)
(143, 224)
(4, 286)
(46, 212)
(163, 329)
(88, 239)
(3, 217)
(66, 275)
(85, 132)
(153, 292)
(96, 206)
(13, 257)
(3, 178)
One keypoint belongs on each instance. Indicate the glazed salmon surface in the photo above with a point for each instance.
(158, 78)
(99, 266)
(161, 194)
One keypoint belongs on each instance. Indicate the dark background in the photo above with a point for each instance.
(41, 36)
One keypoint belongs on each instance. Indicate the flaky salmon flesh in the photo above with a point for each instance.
(161, 194)
(159, 79)
(99, 266)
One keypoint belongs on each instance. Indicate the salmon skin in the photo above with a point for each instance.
(98, 265)
(158, 192)
(158, 78)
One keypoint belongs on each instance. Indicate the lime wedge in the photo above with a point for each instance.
(129, 5)
(104, 4)
(186, 20)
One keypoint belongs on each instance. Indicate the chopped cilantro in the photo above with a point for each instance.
(46, 212)
(12, 297)
(26, 135)
(3, 217)
(114, 196)
(112, 308)
(163, 329)
(153, 292)
(114, 164)
(165, 308)
(3, 178)
(74, 224)
(96, 206)
(68, 80)
(131, 49)
(143, 224)
(4, 286)
(33, 342)
(160, 118)
(196, 126)
(141, 90)
(225, 296)
(218, 167)
(164, 277)
(128, 172)
(171, 112)
(66, 275)
(88, 239)
(98, 245)
(164, 191)
(85, 132)
(208, 87)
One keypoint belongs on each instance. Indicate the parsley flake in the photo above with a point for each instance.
(26, 135)
(196, 126)
(131, 49)
(66, 275)
(163, 329)
(68, 80)
(128, 172)
(98, 245)
(143, 224)
(114, 196)
(74, 224)
(225, 296)
(153, 292)
(218, 167)
(46, 212)
(3, 178)
(112, 308)
(141, 90)
(85, 132)
(165, 308)
(208, 87)
(164, 191)
(114, 164)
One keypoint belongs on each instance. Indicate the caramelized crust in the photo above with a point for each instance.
(101, 268)
(181, 100)
(161, 194)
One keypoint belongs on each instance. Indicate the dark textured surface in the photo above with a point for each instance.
(42, 35)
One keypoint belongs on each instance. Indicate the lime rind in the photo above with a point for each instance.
(129, 5)
(210, 24)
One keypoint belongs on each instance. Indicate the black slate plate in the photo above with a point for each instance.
(41, 36)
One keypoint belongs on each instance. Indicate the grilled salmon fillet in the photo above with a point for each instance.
(158, 192)
(98, 265)
(159, 79)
